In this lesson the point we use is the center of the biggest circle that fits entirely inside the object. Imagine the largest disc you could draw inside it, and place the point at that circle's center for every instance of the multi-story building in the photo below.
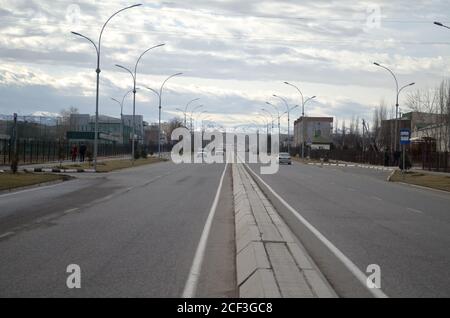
(111, 129)
(313, 132)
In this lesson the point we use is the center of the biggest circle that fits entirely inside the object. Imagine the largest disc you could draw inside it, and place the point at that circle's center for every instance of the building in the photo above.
(111, 129)
(139, 127)
(437, 135)
(414, 121)
(313, 132)
(151, 134)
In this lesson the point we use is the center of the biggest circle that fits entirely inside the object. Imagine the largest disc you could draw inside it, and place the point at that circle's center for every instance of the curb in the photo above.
(55, 170)
(270, 262)
(355, 165)
(391, 175)
(347, 279)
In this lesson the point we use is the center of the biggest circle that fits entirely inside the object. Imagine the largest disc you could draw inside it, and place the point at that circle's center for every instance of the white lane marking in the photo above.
(30, 190)
(351, 189)
(6, 235)
(194, 274)
(414, 210)
(376, 198)
(378, 293)
(70, 210)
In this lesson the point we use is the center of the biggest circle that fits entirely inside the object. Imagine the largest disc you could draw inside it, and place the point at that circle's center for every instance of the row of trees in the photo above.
(359, 133)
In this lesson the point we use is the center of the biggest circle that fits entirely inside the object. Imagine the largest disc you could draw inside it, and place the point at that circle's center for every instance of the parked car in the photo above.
(284, 158)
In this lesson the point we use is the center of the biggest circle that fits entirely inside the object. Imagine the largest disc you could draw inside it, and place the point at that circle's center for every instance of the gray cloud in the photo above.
(322, 44)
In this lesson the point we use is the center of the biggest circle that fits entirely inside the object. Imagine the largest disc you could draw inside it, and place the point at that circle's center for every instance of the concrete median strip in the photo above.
(270, 262)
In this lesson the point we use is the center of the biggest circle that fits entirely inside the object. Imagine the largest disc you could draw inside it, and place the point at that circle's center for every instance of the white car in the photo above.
(284, 158)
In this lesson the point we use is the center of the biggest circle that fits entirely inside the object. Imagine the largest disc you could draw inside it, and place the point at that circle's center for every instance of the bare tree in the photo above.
(380, 114)
(171, 126)
(443, 102)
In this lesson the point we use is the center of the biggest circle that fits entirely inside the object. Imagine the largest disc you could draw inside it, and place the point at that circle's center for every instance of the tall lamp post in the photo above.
(271, 116)
(199, 117)
(266, 120)
(398, 91)
(278, 116)
(303, 113)
(134, 76)
(121, 110)
(98, 50)
(192, 115)
(186, 109)
(159, 94)
(289, 119)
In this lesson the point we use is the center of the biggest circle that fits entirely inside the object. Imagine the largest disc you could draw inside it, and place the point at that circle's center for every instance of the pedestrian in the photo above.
(83, 149)
(74, 153)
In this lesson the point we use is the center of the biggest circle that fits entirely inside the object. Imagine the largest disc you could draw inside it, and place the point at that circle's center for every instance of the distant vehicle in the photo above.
(284, 158)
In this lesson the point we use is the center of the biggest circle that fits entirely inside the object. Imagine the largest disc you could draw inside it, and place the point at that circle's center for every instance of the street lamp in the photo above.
(192, 114)
(266, 121)
(134, 76)
(186, 109)
(441, 25)
(199, 117)
(271, 116)
(121, 109)
(98, 50)
(303, 99)
(159, 94)
(289, 120)
(303, 113)
(398, 91)
(279, 116)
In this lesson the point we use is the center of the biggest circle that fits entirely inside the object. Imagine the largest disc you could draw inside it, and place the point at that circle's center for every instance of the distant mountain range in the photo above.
(43, 118)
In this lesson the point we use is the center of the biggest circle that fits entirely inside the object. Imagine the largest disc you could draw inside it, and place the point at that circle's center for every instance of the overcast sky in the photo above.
(234, 54)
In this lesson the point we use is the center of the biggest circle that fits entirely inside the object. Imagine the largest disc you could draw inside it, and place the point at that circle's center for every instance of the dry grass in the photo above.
(440, 182)
(9, 180)
(112, 165)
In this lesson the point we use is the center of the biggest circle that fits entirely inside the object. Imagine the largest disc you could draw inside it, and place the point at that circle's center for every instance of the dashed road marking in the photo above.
(414, 210)
(71, 210)
(6, 235)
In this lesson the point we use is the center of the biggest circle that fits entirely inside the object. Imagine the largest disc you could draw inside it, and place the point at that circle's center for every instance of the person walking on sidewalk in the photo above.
(74, 153)
(83, 149)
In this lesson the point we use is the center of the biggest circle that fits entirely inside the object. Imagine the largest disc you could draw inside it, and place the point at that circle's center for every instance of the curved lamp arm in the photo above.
(107, 21)
(86, 38)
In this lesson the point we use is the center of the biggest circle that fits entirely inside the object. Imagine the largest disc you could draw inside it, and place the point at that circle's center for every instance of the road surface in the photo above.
(134, 233)
(403, 229)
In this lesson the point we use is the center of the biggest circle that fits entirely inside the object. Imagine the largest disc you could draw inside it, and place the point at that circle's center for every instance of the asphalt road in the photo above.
(403, 229)
(134, 233)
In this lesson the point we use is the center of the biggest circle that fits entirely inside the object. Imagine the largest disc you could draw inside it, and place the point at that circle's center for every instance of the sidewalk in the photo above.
(52, 164)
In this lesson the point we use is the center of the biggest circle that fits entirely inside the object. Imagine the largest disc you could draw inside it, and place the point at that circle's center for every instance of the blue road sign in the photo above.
(405, 136)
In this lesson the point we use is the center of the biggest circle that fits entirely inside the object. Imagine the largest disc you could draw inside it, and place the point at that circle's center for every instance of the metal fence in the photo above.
(425, 159)
(432, 161)
(41, 151)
